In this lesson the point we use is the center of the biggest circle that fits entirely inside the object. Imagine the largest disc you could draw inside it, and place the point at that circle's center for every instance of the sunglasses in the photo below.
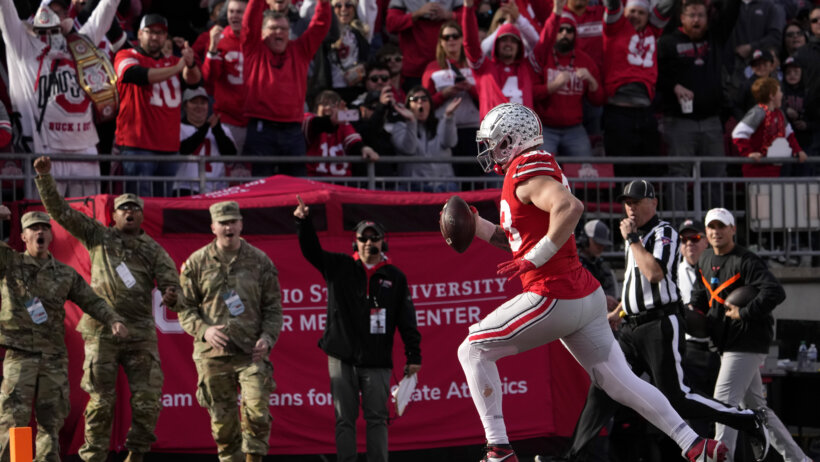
(420, 99)
(343, 5)
(378, 78)
(815, 20)
(793, 34)
(52, 31)
(566, 29)
(694, 238)
(364, 239)
(395, 59)
(126, 207)
(448, 37)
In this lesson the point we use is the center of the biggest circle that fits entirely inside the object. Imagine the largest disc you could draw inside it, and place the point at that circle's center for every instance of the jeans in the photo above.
(691, 138)
(568, 141)
(267, 138)
(146, 168)
(346, 381)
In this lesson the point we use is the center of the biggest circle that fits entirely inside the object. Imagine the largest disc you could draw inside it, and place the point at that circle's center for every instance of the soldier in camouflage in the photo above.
(232, 306)
(34, 287)
(125, 262)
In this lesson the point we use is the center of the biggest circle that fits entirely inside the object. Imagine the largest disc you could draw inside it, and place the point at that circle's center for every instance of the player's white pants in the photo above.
(530, 320)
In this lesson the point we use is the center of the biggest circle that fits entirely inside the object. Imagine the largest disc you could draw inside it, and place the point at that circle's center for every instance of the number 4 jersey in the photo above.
(149, 114)
(562, 276)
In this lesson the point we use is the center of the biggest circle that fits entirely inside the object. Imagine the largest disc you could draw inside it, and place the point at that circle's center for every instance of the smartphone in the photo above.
(348, 115)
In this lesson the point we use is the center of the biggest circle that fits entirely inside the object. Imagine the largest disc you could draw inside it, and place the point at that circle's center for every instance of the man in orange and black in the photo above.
(742, 334)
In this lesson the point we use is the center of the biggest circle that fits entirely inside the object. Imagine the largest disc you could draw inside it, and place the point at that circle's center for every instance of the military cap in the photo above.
(128, 198)
(32, 218)
(225, 211)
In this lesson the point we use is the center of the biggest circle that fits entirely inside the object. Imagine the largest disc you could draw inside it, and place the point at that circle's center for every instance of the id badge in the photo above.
(377, 321)
(234, 303)
(126, 276)
(36, 311)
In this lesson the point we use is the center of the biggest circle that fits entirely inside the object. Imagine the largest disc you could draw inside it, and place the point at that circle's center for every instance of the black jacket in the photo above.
(349, 303)
(754, 331)
(808, 56)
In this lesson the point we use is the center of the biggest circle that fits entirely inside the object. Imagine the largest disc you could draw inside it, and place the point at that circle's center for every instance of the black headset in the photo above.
(378, 227)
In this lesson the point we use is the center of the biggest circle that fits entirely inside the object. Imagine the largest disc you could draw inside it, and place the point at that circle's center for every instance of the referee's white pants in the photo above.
(530, 320)
(739, 382)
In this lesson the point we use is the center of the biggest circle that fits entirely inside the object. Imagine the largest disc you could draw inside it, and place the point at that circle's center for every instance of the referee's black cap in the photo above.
(637, 189)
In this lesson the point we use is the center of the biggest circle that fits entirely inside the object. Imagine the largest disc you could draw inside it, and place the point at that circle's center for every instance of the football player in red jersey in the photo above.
(561, 299)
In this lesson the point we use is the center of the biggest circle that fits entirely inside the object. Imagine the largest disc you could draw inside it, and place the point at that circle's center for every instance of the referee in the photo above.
(652, 336)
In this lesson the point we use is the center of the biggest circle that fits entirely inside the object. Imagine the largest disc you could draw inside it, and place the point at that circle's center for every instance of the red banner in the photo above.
(544, 389)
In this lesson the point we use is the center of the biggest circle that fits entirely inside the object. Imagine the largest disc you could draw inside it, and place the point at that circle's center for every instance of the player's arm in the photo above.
(554, 198)
(489, 232)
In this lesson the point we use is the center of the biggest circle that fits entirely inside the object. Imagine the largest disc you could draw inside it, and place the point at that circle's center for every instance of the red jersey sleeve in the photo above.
(124, 60)
(533, 164)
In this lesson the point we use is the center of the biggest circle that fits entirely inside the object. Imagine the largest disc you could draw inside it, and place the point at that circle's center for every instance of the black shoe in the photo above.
(759, 437)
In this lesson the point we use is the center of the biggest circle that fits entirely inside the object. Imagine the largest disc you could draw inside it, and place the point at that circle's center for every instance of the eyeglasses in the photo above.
(420, 99)
(132, 207)
(568, 30)
(52, 31)
(815, 20)
(395, 59)
(343, 5)
(379, 78)
(695, 238)
(448, 37)
(364, 239)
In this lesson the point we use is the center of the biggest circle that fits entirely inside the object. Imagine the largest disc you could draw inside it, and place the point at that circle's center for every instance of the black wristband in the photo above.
(633, 238)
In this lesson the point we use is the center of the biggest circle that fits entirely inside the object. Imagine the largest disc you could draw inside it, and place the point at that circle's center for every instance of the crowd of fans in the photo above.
(377, 78)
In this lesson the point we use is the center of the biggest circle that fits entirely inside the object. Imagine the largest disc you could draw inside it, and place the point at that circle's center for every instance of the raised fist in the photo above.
(42, 165)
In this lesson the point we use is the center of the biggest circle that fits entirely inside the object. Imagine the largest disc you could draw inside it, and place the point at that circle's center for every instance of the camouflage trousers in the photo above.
(216, 391)
(40, 379)
(140, 361)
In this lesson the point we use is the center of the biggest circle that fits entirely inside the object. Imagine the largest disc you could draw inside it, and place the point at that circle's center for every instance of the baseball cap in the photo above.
(637, 189)
(691, 225)
(128, 198)
(33, 218)
(720, 214)
(192, 93)
(757, 55)
(790, 62)
(154, 19)
(225, 211)
(213, 4)
(364, 224)
(598, 232)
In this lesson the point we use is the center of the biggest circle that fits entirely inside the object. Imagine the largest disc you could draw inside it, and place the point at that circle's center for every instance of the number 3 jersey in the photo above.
(562, 276)
(149, 114)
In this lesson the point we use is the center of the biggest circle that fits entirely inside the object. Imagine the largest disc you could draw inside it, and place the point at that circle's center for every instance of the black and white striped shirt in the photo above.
(639, 295)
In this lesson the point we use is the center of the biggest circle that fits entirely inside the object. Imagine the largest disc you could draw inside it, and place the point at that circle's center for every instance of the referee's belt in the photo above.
(652, 314)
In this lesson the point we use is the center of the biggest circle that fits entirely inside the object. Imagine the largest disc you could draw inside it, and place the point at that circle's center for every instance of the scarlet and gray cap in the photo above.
(128, 198)
(364, 224)
(720, 214)
(33, 218)
(225, 211)
(597, 231)
(637, 189)
(691, 225)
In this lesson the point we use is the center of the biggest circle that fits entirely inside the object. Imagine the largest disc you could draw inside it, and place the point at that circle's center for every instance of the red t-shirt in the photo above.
(562, 276)
(223, 72)
(334, 144)
(630, 56)
(149, 114)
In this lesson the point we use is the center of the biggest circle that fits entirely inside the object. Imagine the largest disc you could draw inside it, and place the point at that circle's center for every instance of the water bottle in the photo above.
(812, 358)
(802, 357)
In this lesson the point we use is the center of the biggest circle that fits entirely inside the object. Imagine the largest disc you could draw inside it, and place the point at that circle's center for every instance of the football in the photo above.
(697, 324)
(457, 224)
(741, 296)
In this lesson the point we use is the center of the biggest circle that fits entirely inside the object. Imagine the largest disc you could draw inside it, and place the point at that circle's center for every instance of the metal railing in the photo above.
(778, 217)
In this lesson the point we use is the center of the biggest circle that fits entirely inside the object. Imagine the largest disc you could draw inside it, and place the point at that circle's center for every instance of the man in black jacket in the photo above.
(367, 299)
(742, 334)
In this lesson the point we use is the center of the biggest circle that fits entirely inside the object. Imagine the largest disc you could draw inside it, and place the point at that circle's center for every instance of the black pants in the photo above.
(656, 348)
(632, 132)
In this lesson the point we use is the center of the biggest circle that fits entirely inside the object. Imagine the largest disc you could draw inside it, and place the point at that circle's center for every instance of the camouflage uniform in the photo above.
(138, 354)
(205, 281)
(36, 365)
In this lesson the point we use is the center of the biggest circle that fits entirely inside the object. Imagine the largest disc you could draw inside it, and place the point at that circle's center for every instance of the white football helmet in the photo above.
(47, 26)
(45, 18)
(505, 132)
